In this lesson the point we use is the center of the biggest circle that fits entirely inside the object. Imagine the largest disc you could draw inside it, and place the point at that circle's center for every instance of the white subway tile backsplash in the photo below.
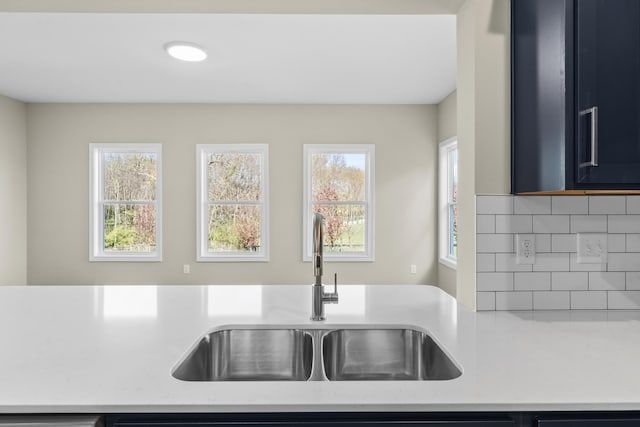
(532, 281)
(569, 205)
(551, 224)
(551, 300)
(507, 262)
(552, 262)
(633, 280)
(563, 243)
(633, 242)
(606, 281)
(623, 300)
(616, 243)
(514, 301)
(494, 243)
(494, 205)
(556, 280)
(486, 301)
(587, 300)
(574, 266)
(540, 205)
(494, 281)
(633, 205)
(624, 223)
(543, 242)
(624, 262)
(588, 223)
(485, 262)
(514, 224)
(485, 224)
(569, 281)
(607, 205)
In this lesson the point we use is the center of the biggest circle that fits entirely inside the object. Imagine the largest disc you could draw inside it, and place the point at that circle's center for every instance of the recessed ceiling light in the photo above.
(186, 51)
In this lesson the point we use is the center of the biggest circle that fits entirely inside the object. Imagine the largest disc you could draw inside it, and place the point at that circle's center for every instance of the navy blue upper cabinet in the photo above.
(608, 91)
(575, 95)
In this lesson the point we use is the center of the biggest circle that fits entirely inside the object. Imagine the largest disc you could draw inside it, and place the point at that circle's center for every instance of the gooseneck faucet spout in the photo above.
(318, 238)
(319, 296)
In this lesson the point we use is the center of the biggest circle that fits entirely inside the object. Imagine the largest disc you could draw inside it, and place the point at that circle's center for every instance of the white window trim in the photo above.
(96, 218)
(444, 186)
(369, 150)
(202, 240)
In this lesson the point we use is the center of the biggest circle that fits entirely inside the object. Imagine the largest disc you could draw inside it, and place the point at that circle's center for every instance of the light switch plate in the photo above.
(592, 248)
(525, 248)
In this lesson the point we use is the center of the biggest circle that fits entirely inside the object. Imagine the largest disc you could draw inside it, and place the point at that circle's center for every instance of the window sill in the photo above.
(125, 258)
(233, 258)
(447, 262)
(344, 258)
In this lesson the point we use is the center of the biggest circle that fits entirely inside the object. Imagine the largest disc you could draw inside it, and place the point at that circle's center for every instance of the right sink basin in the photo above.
(384, 355)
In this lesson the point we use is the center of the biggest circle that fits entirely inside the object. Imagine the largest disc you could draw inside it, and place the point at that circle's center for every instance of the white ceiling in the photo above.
(253, 58)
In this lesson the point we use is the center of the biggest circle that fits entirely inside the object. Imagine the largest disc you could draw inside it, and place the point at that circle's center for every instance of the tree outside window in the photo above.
(232, 202)
(338, 185)
(125, 202)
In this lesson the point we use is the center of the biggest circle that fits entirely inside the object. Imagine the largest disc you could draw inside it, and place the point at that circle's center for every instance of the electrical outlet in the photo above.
(413, 269)
(592, 248)
(186, 269)
(525, 248)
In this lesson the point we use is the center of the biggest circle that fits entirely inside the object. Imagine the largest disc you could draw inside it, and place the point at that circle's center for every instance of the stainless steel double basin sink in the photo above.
(300, 354)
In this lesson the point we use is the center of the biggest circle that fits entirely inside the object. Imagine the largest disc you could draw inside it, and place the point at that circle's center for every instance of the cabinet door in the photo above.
(541, 95)
(311, 420)
(603, 421)
(608, 93)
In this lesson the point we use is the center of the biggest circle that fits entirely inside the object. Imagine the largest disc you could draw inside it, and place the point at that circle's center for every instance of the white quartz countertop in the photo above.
(111, 349)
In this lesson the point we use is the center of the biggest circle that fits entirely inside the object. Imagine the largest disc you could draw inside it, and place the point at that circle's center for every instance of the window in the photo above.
(232, 202)
(448, 203)
(338, 183)
(126, 202)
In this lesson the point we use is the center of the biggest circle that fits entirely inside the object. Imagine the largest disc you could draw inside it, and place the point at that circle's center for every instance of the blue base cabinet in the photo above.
(310, 420)
(454, 419)
(586, 420)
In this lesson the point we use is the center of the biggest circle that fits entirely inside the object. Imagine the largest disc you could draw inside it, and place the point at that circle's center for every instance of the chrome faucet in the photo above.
(319, 296)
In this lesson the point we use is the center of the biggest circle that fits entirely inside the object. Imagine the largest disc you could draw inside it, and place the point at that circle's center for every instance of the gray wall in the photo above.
(13, 191)
(406, 157)
(447, 128)
(483, 123)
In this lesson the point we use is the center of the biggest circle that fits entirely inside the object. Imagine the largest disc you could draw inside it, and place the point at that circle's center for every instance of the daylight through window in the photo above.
(448, 196)
(339, 185)
(232, 198)
(125, 202)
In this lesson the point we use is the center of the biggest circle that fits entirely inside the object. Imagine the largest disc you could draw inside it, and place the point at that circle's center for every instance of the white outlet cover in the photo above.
(525, 249)
(592, 248)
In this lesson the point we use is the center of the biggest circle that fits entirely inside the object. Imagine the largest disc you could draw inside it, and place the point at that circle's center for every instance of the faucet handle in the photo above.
(332, 297)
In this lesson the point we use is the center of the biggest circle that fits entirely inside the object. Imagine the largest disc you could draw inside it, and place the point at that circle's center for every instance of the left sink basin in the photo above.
(249, 355)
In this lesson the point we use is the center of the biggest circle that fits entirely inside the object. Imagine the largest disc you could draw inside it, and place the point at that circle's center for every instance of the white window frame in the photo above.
(369, 150)
(445, 188)
(202, 215)
(96, 198)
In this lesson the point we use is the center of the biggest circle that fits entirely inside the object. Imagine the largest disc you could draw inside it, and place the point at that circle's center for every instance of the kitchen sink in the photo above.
(384, 354)
(308, 354)
(249, 355)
